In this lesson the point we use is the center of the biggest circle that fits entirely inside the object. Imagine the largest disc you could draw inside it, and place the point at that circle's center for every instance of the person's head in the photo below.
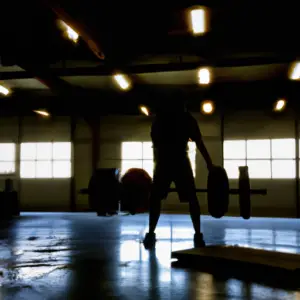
(171, 107)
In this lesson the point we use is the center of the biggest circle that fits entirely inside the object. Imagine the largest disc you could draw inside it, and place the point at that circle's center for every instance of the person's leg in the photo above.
(154, 213)
(185, 185)
(159, 190)
(195, 213)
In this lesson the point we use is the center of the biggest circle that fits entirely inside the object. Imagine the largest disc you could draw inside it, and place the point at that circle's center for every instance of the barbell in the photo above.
(217, 190)
(262, 192)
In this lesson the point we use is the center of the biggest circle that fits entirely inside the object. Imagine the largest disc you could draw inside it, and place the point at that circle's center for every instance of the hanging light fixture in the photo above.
(204, 76)
(42, 112)
(70, 33)
(280, 105)
(122, 81)
(144, 110)
(207, 107)
(4, 91)
(198, 20)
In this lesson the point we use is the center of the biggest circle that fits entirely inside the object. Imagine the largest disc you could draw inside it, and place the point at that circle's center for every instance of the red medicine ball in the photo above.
(136, 186)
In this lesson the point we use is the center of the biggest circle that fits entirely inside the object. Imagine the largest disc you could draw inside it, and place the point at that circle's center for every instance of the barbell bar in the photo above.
(262, 192)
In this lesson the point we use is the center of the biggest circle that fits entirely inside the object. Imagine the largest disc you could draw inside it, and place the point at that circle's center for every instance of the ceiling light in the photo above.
(43, 113)
(198, 20)
(70, 32)
(295, 71)
(204, 76)
(4, 90)
(144, 110)
(207, 107)
(280, 105)
(122, 81)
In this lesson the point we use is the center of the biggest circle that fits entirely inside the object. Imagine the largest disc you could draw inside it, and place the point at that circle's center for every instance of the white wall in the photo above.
(116, 129)
(280, 200)
(82, 162)
(9, 134)
(37, 194)
(54, 194)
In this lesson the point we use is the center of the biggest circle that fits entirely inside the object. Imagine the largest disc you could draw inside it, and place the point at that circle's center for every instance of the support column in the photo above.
(94, 124)
(222, 130)
(18, 156)
(73, 122)
(297, 167)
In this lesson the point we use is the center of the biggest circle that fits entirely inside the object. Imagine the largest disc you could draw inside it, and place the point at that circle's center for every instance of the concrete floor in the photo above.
(81, 256)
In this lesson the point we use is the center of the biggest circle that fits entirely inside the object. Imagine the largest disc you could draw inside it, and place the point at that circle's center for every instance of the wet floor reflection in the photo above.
(81, 256)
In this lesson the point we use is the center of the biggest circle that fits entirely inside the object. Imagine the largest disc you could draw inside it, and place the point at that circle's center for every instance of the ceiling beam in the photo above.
(44, 75)
(151, 68)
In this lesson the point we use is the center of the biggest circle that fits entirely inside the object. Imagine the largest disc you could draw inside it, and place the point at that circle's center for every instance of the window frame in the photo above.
(271, 159)
(52, 160)
(13, 173)
(194, 165)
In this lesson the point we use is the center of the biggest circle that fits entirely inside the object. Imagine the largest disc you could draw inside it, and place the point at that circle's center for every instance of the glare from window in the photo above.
(28, 151)
(132, 150)
(147, 150)
(235, 149)
(44, 151)
(129, 164)
(259, 169)
(7, 152)
(283, 148)
(266, 159)
(232, 167)
(7, 158)
(27, 169)
(62, 169)
(192, 156)
(257, 149)
(46, 160)
(43, 169)
(61, 150)
(7, 167)
(148, 166)
(140, 155)
(283, 169)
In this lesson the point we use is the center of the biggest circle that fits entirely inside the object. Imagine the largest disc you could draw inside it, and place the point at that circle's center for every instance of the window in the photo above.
(258, 155)
(140, 155)
(235, 149)
(137, 155)
(258, 149)
(283, 149)
(283, 153)
(46, 160)
(7, 158)
(232, 167)
(283, 169)
(192, 155)
(265, 158)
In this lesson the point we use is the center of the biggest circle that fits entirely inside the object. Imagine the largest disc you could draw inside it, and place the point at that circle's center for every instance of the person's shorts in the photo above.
(177, 170)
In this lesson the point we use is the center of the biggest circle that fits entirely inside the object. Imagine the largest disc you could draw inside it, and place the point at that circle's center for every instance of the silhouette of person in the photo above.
(171, 130)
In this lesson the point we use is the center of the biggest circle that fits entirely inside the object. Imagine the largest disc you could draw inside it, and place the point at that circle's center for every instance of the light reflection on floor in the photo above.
(49, 256)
